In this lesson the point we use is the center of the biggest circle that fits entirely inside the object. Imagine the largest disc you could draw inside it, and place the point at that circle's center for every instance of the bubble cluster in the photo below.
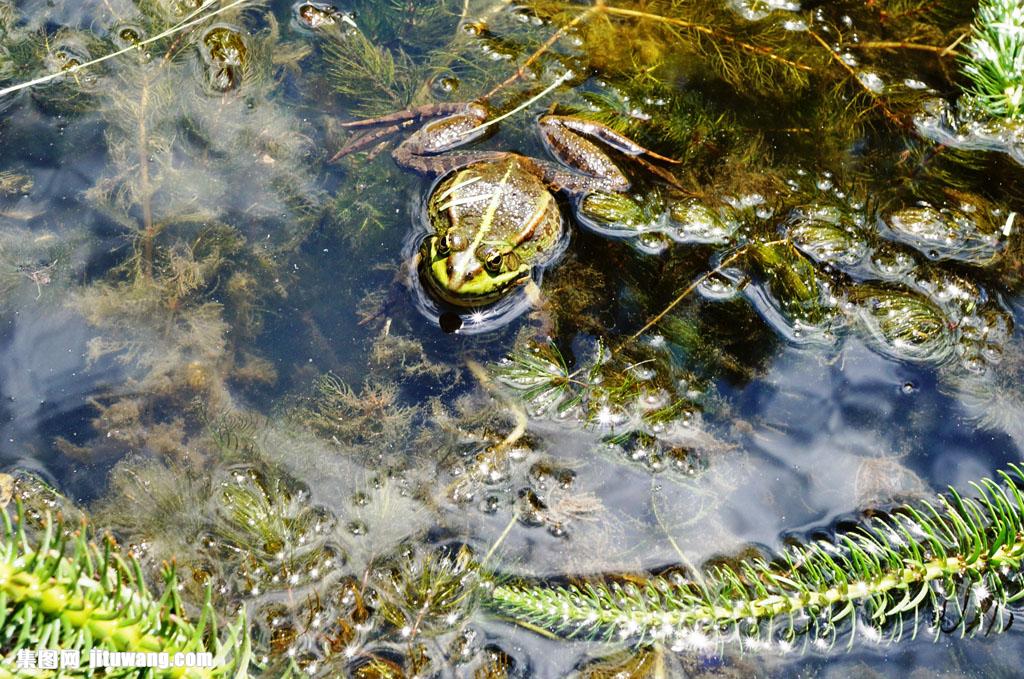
(646, 411)
(828, 235)
(268, 529)
(962, 233)
(969, 128)
(651, 221)
(902, 324)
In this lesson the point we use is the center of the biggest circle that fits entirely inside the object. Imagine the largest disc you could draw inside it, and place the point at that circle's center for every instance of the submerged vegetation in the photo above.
(212, 350)
(952, 566)
(61, 590)
(949, 566)
(995, 58)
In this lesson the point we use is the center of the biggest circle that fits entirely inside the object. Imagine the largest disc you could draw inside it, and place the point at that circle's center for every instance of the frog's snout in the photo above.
(461, 270)
(458, 281)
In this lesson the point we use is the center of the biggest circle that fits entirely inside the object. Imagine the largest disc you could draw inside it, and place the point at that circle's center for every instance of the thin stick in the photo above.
(696, 574)
(78, 67)
(952, 48)
(548, 44)
(899, 45)
(501, 538)
(690, 288)
(853, 74)
(540, 95)
(517, 409)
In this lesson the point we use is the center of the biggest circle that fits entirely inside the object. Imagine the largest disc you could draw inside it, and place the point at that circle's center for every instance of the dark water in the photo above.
(181, 265)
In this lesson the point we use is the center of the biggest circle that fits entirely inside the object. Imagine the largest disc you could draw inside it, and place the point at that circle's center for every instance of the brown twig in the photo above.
(901, 45)
(895, 119)
(766, 52)
(690, 288)
(952, 47)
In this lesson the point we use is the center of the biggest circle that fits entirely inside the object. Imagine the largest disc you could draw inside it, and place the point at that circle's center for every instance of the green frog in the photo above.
(494, 215)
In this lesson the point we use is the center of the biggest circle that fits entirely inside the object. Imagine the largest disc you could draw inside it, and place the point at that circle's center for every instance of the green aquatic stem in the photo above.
(64, 592)
(994, 58)
(955, 561)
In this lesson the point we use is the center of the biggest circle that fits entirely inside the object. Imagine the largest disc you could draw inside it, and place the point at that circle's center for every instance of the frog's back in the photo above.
(501, 202)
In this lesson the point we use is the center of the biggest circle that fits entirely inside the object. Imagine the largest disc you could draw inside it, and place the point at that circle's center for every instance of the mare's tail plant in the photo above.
(994, 61)
(952, 565)
(61, 591)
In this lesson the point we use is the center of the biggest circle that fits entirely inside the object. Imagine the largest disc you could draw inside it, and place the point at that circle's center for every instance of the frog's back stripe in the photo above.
(461, 260)
(492, 207)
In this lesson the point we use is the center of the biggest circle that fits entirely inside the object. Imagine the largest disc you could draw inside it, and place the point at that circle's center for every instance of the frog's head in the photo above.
(467, 276)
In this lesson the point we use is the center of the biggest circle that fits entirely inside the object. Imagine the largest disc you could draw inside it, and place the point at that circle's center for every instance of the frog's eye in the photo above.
(491, 258)
(444, 245)
(512, 260)
(493, 262)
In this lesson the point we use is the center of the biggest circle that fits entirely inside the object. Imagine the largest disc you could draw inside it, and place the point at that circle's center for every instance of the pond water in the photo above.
(218, 343)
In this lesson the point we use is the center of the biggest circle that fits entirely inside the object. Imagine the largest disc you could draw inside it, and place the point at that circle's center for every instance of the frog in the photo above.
(493, 215)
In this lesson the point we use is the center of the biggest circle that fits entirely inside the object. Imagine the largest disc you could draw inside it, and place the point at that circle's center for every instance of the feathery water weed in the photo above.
(952, 565)
(60, 590)
(994, 59)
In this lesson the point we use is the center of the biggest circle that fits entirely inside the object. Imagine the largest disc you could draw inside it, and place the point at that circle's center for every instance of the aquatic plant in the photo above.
(952, 565)
(59, 589)
(827, 234)
(793, 286)
(426, 595)
(268, 533)
(371, 415)
(966, 234)
(994, 58)
(754, 55)
(188, 276)
(643, 402)
(209, 178)
(315, 578)
(63, 63)
(902, 323)
(603, 392)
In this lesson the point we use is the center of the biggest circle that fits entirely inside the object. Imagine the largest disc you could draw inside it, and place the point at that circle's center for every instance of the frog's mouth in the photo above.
(480, 290)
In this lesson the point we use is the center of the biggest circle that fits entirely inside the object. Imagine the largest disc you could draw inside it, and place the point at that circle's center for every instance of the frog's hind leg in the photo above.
(440, 165)
(558, 127)
(415, 114)
(366, 139)
(572, 141)
(456, 122)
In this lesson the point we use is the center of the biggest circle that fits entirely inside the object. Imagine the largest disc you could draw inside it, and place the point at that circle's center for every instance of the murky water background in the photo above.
(115, 395)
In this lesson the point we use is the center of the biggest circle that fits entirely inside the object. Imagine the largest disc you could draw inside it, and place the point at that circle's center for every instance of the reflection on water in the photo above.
(215, 340)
